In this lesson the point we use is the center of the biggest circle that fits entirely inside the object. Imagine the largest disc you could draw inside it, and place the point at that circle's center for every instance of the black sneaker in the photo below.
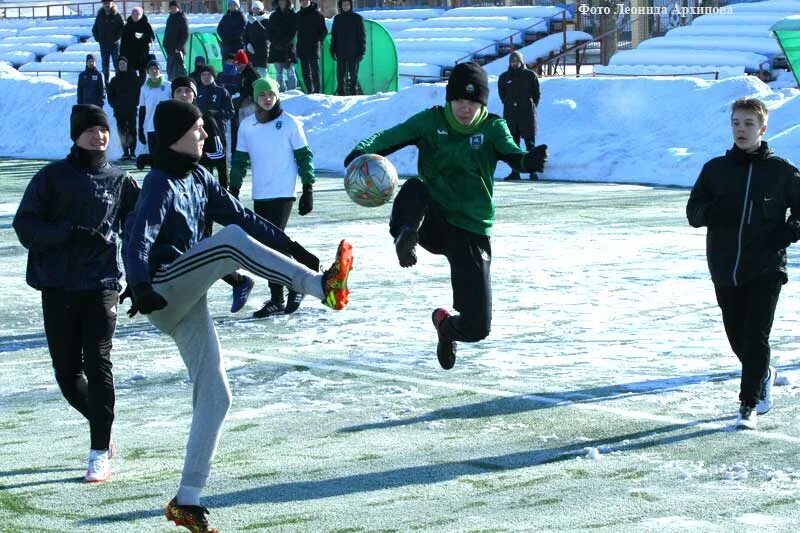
(747, 418)
(534, 176)
(514, 176)
(270, 308)
(293, 301)
(404, 245)
(445, 349)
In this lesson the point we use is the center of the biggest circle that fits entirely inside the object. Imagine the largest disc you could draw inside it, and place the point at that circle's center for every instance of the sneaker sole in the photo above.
(338, 295)
(91, 481)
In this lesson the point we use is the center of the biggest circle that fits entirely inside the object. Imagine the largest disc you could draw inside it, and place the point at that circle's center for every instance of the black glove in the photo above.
(352, 155)
(721, 214)
(234, 192)
(128, 293)
(303, 256)
(306, 200)
(142, 113)
(147, 300)
(535, 159)
(83, 234)
(784, 235)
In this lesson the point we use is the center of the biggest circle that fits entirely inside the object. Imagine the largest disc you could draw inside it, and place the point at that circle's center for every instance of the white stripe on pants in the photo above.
(184, 283)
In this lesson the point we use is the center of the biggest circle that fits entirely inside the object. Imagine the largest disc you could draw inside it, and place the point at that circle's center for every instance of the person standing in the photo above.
(69, 219)
(176, 35)
(274, 142)
(348, 46)
(742, 197)
(311, 31)
(199, 63)
(518, 88)
(231, 28)
(170, 267)
(107, 31)
(231, 81)
(248, 76)
(216, 102)
(256, 38)
(123, 96)
(156, 89)
(449, 210)
(136, 39)
(282, 54)
(91, 85)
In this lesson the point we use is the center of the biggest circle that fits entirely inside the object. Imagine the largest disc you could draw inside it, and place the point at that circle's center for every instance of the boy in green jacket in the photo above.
(448, 209)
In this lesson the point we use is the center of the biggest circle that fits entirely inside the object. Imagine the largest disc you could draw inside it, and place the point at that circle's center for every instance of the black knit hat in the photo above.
(89, 56)
(468, 81)
(208, 68)
(85, 116)
(184, 81)
(172, 120)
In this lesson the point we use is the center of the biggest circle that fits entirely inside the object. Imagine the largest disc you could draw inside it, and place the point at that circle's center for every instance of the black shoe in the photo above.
(404, 245)
(293, 302)
(534, 176)
(445, 349)
(514, 176)
(270, 308)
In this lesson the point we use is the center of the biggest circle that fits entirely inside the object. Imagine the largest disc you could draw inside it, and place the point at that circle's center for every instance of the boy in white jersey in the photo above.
(273, 142)
(155, 89)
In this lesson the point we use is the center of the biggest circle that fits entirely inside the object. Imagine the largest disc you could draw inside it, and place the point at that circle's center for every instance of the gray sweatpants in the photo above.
(184, 283)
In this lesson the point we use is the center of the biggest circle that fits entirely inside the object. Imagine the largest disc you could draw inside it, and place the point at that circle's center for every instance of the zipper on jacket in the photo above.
(750, 213)
(741, 224)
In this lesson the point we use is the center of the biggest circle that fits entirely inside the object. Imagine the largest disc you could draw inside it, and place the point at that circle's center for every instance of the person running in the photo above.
(275, 142)
(170, 270)
(69, 219)
(449, 209)
(742, 197)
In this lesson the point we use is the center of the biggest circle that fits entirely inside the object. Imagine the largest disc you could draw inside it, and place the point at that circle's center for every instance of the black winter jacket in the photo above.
(176, 33)
(230, 30)
(91, 87)
(282, 31)
(123, 93)
(215, 100)
(743, 199)
(519, 91)
(249, 76)
(65, 194)
(107, 28)
(136, 49)
(215, 145)
(348, 37)
(257, 34)
(311, 31)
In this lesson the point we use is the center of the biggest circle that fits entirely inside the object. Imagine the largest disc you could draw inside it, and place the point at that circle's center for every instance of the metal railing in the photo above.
(510, 38)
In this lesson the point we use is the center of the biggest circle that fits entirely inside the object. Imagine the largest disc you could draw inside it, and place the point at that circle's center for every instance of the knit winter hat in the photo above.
(184, 81)
(241, 57)
(89, 56)
(85, 116)
(468, 81)
(518, 55)
(264, 85)
(139, 9)
(207, 68)
(172, 120)
(173, 3)
(152, 63)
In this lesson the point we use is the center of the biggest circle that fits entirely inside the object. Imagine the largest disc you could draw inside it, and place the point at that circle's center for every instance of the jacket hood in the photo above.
(518, 55)
(141, 21)
(114, 10)
(737, 154)
(352, 5)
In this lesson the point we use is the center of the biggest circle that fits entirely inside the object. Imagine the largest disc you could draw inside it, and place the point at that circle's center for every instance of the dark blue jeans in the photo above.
(106, 52)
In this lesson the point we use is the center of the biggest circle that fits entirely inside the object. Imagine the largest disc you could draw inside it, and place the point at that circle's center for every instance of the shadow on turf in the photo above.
(33, 471)
(434, 473)
(533, 402)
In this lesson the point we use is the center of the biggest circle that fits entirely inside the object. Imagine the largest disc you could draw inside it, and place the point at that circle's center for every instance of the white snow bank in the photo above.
(750, 61)
(765, 46)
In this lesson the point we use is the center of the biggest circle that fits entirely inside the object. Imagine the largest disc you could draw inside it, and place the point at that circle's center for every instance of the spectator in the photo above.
(519, 91)
(123, 95)
(176, 34)
(91, 85)
(248, 74)
(199, 63)
(215, 101)
(156, 89)
(136, 38)
(282, 32)
(107, 31)
(256, 39)
(231, 80)
(231, 28)
(311, 31)
(348, 46)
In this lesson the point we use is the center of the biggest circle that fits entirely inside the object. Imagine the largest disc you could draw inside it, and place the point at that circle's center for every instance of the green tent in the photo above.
(787, 32)
(378, 71)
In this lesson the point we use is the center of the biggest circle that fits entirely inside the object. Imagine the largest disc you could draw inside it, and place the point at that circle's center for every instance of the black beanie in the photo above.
(184, 81)
(85, 116)
(208, 68)
(468, 81)
(172, 120)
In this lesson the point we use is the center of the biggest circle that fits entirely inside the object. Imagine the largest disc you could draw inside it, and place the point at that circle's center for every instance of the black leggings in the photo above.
(277, 211)
(79, 326)
(469, 255)
(346, 77)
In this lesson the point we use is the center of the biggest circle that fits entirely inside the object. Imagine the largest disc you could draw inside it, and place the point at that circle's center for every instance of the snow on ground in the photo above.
(642, 130)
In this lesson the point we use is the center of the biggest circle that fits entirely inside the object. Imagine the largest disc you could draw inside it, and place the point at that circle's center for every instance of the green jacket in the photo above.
(456, 166)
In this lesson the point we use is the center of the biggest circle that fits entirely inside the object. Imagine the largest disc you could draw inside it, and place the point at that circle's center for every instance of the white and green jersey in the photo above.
(273, 149)
(150, 95)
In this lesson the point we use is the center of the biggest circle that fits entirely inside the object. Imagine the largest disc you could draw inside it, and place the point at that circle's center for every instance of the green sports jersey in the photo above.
(456, 163)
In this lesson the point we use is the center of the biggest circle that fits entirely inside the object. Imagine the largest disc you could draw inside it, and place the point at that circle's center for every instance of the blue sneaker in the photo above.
(241, 292)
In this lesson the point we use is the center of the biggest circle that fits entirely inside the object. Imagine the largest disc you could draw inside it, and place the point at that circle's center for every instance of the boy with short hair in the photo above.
(449, 209)
(742, 197)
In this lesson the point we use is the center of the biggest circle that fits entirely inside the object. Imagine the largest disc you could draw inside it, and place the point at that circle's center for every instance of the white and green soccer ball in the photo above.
(370, 180)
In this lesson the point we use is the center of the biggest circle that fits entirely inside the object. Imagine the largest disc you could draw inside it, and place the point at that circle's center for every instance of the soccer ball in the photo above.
(370, 180)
